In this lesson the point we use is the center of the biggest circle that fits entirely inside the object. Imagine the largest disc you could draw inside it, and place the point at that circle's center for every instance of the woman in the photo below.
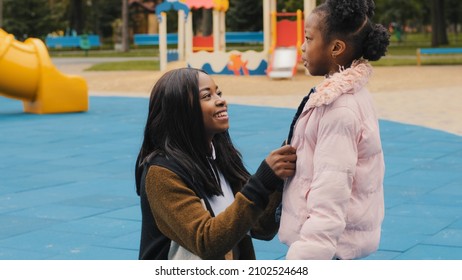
(197, 198)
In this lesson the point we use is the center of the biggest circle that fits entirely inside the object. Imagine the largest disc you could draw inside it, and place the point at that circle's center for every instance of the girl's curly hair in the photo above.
(351, 20)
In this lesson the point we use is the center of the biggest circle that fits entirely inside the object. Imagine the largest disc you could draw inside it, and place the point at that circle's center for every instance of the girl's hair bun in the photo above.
(376, 43)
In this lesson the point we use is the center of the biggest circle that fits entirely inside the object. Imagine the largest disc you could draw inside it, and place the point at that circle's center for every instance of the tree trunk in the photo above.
(439, 34)
(1, 13)
(125, 37)
(207, 19)
(76, 16)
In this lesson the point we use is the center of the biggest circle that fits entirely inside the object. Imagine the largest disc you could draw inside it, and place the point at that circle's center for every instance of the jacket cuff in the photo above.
(268, 178)
(261, 185)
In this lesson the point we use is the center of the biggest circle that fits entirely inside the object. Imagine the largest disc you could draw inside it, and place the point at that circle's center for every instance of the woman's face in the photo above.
(316, 53)
(214, 107)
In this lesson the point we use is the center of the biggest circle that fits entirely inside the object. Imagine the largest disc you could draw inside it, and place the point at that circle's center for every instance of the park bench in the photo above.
(60, 42)
(432, 51)
(244, 37)
(153, 39)
(172, 38)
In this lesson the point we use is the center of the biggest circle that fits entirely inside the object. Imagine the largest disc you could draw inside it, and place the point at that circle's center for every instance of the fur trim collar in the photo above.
(349, 81)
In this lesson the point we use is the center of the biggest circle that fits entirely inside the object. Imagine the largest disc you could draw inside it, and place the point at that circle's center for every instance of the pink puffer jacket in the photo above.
(333, 207)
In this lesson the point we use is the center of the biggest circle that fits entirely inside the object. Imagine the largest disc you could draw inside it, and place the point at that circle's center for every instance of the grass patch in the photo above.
(411, 60)
(134, 65)
(395, 62)
(151, 51)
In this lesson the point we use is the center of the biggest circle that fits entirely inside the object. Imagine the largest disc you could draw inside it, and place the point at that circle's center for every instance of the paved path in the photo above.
(67, 188)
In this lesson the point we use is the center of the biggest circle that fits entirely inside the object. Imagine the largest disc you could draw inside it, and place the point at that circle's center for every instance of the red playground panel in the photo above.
(203, 43)
(287, 33)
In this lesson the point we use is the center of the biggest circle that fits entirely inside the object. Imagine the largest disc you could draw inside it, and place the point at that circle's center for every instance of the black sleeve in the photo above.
(261, 185)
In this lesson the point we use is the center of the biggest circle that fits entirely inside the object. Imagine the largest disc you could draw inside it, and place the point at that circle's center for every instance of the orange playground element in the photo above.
(236, 64)
(28, 74)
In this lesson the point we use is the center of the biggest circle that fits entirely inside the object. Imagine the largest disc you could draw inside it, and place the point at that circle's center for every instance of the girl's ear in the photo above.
(338, 48)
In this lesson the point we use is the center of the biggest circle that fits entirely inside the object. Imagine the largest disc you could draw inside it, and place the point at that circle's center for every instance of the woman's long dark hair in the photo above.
(175, 128)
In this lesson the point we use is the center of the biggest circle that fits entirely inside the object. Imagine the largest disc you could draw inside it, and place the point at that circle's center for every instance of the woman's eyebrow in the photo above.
(208, 88)
(202, 89)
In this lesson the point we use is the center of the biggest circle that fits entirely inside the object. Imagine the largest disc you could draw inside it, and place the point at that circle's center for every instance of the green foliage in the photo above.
(402, 11)
(289, 6)
(172, 20)
(28, 18)
(37, 18)
(100, 16)
(245, 15)
(454, 11)
(92, 17)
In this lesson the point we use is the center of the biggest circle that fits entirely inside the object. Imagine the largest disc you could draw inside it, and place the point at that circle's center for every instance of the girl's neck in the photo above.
(340, 69)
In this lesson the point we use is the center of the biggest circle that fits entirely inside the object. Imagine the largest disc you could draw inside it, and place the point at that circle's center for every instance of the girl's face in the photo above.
(214, 107)
(316, 53)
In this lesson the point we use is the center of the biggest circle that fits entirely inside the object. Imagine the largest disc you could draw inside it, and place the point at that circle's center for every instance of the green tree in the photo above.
(125, 35)
(100, 14)
(202, 21)
(37, 18)
(290, 6)
(28, 18)
(398, 11)
(1, 13)
(207, 22)
(245, 15)
(439, 33)
(454, 13)
(92, 16)
(76, 15)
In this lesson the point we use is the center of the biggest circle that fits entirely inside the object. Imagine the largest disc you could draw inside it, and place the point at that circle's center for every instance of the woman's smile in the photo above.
(222, 115)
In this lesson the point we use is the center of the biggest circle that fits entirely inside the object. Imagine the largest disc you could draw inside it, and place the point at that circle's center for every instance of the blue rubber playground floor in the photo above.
(67, 189)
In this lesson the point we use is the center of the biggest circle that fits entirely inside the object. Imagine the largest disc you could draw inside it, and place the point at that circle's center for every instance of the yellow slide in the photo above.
(27, 74)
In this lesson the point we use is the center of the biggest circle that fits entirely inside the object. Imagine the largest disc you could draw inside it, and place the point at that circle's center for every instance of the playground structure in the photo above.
(281, 41)
(286, 40)
(186, 41)
(29, 75)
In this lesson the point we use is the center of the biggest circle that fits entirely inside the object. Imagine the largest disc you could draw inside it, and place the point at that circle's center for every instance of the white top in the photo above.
(217, 202)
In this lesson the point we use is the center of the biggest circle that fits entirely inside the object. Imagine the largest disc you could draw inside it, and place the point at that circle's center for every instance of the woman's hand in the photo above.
(282, 161)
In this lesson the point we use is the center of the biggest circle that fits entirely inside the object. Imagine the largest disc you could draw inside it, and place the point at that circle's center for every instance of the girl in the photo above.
(333, 206)
(197, 198)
